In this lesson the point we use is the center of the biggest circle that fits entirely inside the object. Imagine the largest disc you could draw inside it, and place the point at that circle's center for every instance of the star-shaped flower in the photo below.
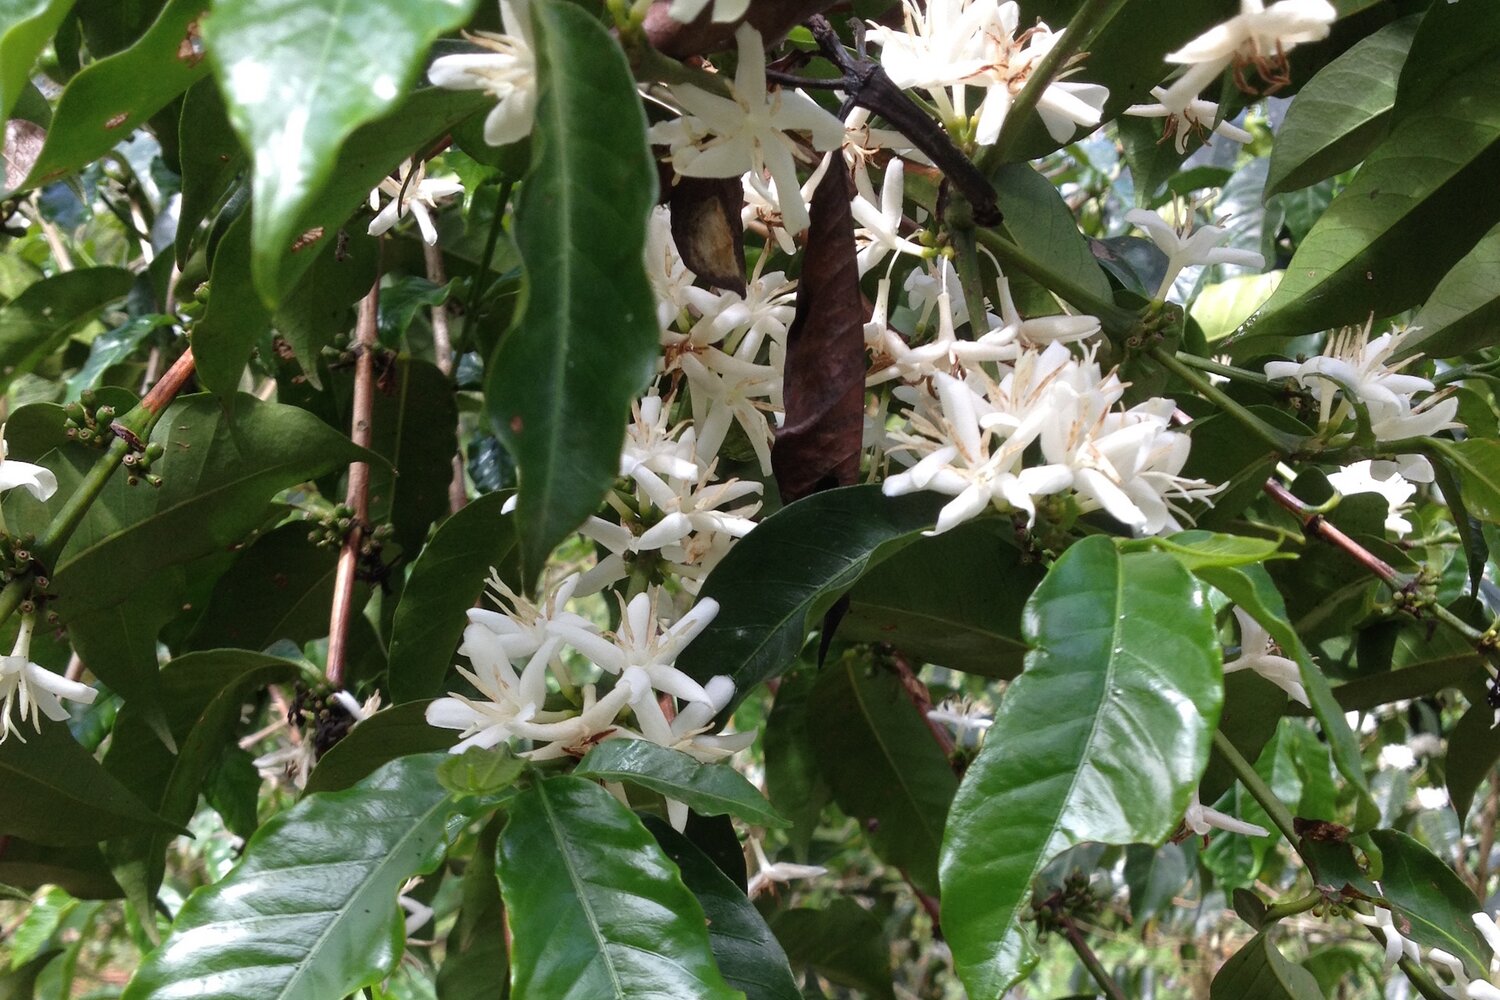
(507, 72)
(1256, 654)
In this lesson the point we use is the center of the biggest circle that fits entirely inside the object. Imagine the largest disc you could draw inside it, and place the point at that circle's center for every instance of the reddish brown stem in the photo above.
(165, 390)
(1314, 525)
(921, 698)
(358, 497)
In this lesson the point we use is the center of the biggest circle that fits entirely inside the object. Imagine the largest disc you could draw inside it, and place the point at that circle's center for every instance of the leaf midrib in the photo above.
(579, 888)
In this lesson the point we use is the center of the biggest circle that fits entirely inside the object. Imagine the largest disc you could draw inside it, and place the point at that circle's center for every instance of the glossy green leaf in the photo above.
(1423, 198)
(1196, 549)
(953, 600)
(708, 789)
(399, 731)
(1155, 877)
(475, 965)
(560, 385)
(415, 421)
(880, 760)
(794, 784)
(296, 75)
(111, 348)
(842, 942)
(1102, 738)
(279, 588)
(1432, 896)
(202, 695)
(477, 771)
(1037, 218)
(56, 793)
(1463, 311)
(273, 930)
(210, 156)
(219, 474)
(746, 951)
(1259, 970)
(26, 26)
(1343, 112)
(774, 583)
(596, 908)
(325, 296)
(1251, 588)
(110, 98)
(235, 319)
(1473, 751)
(1476, 461)
(1450, 40)
(446, 580)
(1220, 309)
(38, 321)
(79, 869)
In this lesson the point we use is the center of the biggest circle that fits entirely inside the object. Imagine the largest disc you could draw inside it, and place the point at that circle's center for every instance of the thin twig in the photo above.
(442, 347)
(358, 497)
(1089, 959)
(919, 696)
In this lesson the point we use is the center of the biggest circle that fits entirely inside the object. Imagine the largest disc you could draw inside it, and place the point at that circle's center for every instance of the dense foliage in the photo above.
(713, 499)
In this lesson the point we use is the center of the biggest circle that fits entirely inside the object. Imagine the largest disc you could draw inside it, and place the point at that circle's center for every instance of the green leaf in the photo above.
(399, 731)
(235, 319)
(1423, 198)
(1197, 549)
(219, 474)
(272, 933)
(26, 26)
(202, 695)
(109, 349)
(297, 78)
(1343, 112)
(1430, 895)
(477, 771)
(38, 321)
(820, 546)
(746, 951)
(1115, 711)
(55, 792)
(597, 910)
(954, 600)
(793, 783)
(1450, 40)
(1251, 588)
(210, 156)
(415, 425)
(875, 751)
(560, 385)
(843, 942)
(1220, 309)
(1476, 461)
(1259, 970)
(446, 580)
(279, 588)
(1463, 310)
(1155, 877)
(1037, 218)
(475, 964)
(708, 789)
(19, 981)
(110, 98)
(1473, 751)
(80, 869)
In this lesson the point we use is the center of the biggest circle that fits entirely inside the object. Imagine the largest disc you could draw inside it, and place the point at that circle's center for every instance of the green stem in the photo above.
(1279, 441)
(497, 223)
(1424, 983)
(1261, 792)
(1091, 961)
(1227, 371)
(1091, 17)
(966, 261)
(1291, 907)
(1113, 318)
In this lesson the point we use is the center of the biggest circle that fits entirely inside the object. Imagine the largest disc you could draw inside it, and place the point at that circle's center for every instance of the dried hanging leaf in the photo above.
(708, 231)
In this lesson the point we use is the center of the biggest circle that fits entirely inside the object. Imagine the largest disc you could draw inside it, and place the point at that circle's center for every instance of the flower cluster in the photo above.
(969, 439)
(952, 45)
(1462, 987)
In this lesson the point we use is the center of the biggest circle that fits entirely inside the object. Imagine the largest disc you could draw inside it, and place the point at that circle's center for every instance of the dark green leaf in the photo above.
(415, 423)
(789, 570)
(232, 788)
(794, 784)
(279, 588)
(110, 98)
(843, 942)
(1473, 751)
(235, 318)
(399, 731)
(597, 910)
(1423, 198)
(26, 26)
(202, 695)
(1477, 463)
(1115, 712)
(1155, 876)
(211, 158)
(297, 78)
(879, 758)
(219, 474)
(1463, 310)
(708, 789)
(274, 933)
(560, 385)
(475, 965)
(1451, 39)
(1037, 218)
(18, 981)
(81, 870)
(324, 297)
(1343, 112)
(38, 321)
(746, 951)
(1251, 588)
(1432, 897)
(1259, 970)
(447, 579)
(954, 599)
(56, 793)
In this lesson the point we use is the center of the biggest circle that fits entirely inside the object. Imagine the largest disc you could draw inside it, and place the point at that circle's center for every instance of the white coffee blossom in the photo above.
(1188, 115)
(411, 192)
(1186, 246)
(34, 479)
(31, 691)
(721, 11)
(1397, 945)
(1200, 818)
(1358, 478)
(1258, 654)
(507, 72)
(1259, 37)
(768, 875)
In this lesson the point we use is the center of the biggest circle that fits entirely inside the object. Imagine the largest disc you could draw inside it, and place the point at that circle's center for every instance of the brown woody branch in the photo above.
(772, 18)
